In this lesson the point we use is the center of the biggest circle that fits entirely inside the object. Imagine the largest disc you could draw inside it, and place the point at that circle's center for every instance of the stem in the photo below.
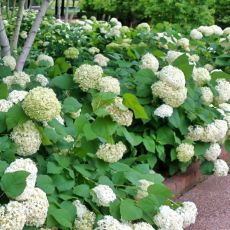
(4, 41)
(14, 40)
(30, 39)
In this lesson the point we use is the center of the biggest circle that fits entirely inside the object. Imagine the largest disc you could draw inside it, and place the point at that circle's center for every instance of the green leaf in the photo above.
(70, 104)
(2, 122)
(207, 167)
(14, 116)
(61, 216)
(132, 138)
(62, 183)
(3, 91)
(63, 82)
(200, 148)
(227, 145)
(13, 184)
(149, 144)
(53, 168)
(129, 211)
(82, 190)
(5, 71)
(3, 166)
(45, 183)
(165, 136)
(131, 101)
(161, 152)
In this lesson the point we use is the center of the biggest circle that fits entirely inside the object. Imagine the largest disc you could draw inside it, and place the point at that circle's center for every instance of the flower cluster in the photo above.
(19, 78)
(185, 152)
(27, 138)
(172, 56)
(16, 96)
(200, 75)
(220, 168)
(111, 152)
(101, 60)
(143, 189)
(143, 27)
(41, 104)
(42, 80)
(71, 53)
(163, 111)
(223, 89)
(196, 34)
(184, 43)
(42, 58)
(9, 61)
(93, 50)
(109, 84)
(120, 113)
(148, 61)
(207, 95)
(87, 76)
(5, 105)
(213, 152)
(103, 195)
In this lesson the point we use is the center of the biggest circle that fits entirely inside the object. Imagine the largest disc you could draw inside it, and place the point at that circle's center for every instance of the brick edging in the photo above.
(182, 182)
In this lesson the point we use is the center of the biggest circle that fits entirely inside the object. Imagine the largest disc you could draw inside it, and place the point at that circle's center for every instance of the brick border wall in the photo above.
(182, 182)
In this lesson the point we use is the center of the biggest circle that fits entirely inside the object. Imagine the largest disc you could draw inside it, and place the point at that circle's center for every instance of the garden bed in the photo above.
(182, 182)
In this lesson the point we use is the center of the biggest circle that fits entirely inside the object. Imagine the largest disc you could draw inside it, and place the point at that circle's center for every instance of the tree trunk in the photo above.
(63, 8)
(57, 9)
(30, 39)
(67, 11)
(4, 41)
(13, 8)
(14, 40)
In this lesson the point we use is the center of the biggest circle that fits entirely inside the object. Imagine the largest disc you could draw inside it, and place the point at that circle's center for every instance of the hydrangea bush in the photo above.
(86, 134)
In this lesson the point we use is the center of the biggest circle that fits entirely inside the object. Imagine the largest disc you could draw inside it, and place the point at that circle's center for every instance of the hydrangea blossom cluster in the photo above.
(23, 34)
(25, 165)
(45, 58)
(87, 76)
(213, 152)
(142, 192)
(223, 89)
(109, 84)
(71, 53)
(144, 27)
(220, 168)
(5, 105)
(163, 111)
(184, 43)
(207, 95)
(101, 60)
(120, 113)
(142, 226)
(201, 76)
(19, 78)
(41, 104)
(210, 30)
(172, 56)
(185, 152)
(149, 61)
(209, 67)
(109, 223)
(9, 61)
(93, 50)
(171, 86)
(196, 34)
(40, 78)
(111, 152)
(84, 219)
(27, 138)
(103, 195)
(16, 96)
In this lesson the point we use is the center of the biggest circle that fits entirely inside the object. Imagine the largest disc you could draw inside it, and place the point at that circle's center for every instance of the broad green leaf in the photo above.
(3, 91)
(82, 190)
(149, 144)
(71, 104)
(13, 184)
(2, 122)
(227, 145)
(53, 168)
(63, 82)
(62, 183)
(165, 136)
(200, 148)
(61, 216)
(207, 167)
(45, 183)
(131, 101)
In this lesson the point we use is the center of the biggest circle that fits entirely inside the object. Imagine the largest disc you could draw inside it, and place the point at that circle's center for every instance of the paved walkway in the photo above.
(212, 198)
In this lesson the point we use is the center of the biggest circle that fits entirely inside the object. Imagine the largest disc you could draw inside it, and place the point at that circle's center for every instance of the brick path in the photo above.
(212, 198)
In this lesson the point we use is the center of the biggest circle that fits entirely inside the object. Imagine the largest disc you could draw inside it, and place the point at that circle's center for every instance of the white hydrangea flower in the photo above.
(115, 31)
(81, 209)
(87, 76)
(189, 212)
(193, 58)
(196, 34)
(225, 107)
(185, 152)
(19, 78)
(142, 226)
(103, 195)
(206, 30)
(209, 67)
(172, 56)
(163, 111)
(101, 60)
(223, 89)
(168, 219)
(149, 61)
(144, 26)
(173, 76)
(5, 105)
(93, 50)
(111, 152)
(195, 133)
(220, 168)
(71, 53)
(40, 78)
(183, 42)
(109, 223)
(16, 96)
(142, 192)
(45, 58)
(24, 165)
(213, 152)
(12, 216)
(207, 95)
(217, 30)
(27, 138)
(109, 84)
(170, 96)
(41, 104)
(200, 75)
(227, 30)
(75, 115)
(23, 34)
(9, 61)
(36, 208)
(120, 113)
(115, 22)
